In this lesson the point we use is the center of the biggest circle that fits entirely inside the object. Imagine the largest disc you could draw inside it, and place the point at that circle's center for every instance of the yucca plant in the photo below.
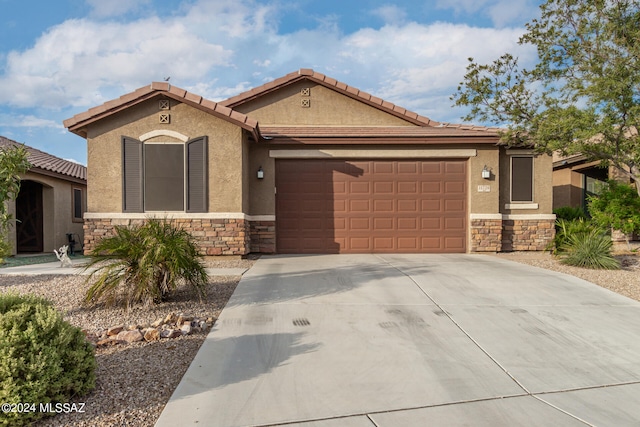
(144, 264)
(567, 228)
(590, 249)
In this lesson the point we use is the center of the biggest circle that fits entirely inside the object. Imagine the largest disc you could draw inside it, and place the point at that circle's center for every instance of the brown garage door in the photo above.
(338, 206)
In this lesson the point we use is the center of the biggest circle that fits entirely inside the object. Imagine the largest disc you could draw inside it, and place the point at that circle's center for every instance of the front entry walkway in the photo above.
(414, 340)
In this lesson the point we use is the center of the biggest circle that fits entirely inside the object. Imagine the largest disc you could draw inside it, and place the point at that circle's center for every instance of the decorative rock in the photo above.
(115, 330)
(182, 318)
(185, 329)
(171, 318)
(130, 336)
(152, 335)
(170, 333)
(157, 323)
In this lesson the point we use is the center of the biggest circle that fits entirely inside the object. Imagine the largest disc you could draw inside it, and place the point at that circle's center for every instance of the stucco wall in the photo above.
(326, 107)
(225, 153)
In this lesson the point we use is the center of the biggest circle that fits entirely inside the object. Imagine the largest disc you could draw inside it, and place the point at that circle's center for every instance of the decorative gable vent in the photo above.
(164, 104)
(305, 103)
(164, 118)
(305, 91)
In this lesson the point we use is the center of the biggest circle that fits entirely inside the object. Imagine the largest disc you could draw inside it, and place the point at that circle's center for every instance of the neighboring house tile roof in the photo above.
(350, 91)
(48, 164)
(77, 123)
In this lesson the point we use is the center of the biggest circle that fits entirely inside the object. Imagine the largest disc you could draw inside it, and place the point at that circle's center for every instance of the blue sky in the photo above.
(59, 58)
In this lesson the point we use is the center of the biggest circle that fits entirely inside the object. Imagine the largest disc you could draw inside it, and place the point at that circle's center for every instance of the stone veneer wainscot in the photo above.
(213, 236)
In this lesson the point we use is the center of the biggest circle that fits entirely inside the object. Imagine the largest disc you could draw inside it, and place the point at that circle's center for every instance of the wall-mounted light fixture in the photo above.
(260, 173)
(486, 173)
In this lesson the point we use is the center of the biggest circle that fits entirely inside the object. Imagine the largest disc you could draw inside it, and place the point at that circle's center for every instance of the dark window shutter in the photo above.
(196, 159)
(132, 200)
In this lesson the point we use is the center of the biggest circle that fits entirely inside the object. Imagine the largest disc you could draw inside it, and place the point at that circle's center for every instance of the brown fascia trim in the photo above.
(283, 140)
(180, 95)
(61, 176)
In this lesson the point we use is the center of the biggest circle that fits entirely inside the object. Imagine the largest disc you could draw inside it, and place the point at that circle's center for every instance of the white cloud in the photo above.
(28, 121)
(224, 47)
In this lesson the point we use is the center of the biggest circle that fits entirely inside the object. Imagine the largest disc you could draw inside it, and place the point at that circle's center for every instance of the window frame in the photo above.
(511, 177)
(144, 175)
(83, 207)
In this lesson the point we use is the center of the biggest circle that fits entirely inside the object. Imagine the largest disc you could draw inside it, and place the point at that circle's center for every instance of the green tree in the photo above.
(618, 207)
(582, 95)
(13, 163)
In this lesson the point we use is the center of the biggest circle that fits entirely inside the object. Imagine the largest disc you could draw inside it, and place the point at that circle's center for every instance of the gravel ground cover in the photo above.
(135, 381)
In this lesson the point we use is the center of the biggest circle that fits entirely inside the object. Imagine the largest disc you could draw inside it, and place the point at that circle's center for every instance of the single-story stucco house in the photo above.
(50, 205)
(308, 164)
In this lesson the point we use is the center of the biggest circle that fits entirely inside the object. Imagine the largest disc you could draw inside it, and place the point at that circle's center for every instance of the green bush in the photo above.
(43, 359)
(590, 250)
(618, 207)
(144, 264)
(569, 213)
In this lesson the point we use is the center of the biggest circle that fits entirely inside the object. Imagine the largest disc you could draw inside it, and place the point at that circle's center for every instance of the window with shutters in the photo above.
(164, 176)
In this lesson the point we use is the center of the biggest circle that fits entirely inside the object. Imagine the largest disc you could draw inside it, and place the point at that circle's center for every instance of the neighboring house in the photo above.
(50, 205)
(307, 164)
(575, 178)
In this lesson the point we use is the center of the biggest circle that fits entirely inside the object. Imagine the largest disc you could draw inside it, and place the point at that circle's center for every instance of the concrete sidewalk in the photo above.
(414, 340)
(78, 269)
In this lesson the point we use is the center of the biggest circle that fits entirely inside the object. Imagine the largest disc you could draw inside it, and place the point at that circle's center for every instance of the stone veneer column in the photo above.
(262, 236)
(528, 234)
(486, 235)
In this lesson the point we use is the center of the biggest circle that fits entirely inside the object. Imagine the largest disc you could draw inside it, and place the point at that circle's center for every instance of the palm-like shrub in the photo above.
(144, 263)
(567, 228)
(43, 358)
(590, 249)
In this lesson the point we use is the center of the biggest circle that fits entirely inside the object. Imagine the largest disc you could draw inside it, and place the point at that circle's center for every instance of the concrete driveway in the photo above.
(414, 340)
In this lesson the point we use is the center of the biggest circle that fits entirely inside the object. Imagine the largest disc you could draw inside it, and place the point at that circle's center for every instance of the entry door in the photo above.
(29, 233)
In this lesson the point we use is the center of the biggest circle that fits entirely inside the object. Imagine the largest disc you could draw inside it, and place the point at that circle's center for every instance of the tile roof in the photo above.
(77, 123)
(376, 131)
(309, 74)
(50, 164)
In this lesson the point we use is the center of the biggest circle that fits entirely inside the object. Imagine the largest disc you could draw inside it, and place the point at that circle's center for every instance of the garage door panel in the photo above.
(383, 168)
(327, 206)
(385, 187)
(360, 224)
(383, 206)
(360, 188)
(408, 168)
(431, 205)
(454, 205)
(360, 205)
(383, 224)
(407, 187)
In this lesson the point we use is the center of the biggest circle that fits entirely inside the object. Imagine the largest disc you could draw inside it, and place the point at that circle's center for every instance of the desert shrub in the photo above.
(569, 213)
(144, 264)
(567, 228)
(43, 358)
(590, 249)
